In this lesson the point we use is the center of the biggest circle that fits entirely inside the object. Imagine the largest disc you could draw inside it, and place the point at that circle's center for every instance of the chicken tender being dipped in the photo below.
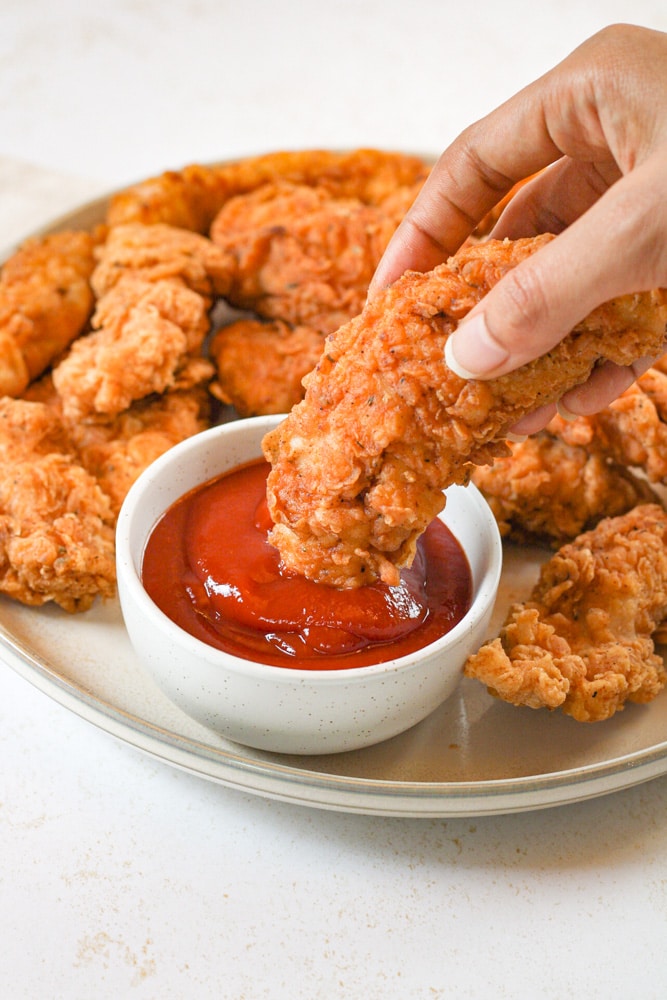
(360, 465)
(583, 642)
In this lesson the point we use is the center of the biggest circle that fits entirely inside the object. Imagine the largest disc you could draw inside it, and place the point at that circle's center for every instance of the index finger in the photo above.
(548, 119)
(470, 178)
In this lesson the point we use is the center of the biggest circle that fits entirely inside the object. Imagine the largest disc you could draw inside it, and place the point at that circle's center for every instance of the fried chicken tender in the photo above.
(117, 452)
(359, 466)
(145, 336)
(191, 198)
(27, 429)
(583, 642)
(304, 259)
(260, 365)
(548, 492)
(187, 199)
(56, 524)
(660, 364)
(156, 253)
(155, 287)
(632, 430)
(301, 255)
(45, 302)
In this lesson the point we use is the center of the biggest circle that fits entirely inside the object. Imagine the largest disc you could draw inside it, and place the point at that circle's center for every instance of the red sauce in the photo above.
(209, 567)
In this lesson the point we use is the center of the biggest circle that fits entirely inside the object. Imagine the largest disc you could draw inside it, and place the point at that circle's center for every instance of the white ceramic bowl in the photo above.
(277, 708)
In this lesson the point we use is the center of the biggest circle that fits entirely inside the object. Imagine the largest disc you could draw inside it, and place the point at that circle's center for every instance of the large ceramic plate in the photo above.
(473, 756)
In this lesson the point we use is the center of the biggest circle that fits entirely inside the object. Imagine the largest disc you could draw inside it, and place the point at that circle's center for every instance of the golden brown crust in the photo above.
(155, 286)
(192, 197)
(630, 431)
(145, 334)
(56, 524)
(117, 452)
(158, 253)
(135, 385)
(583, 642)
(62, 484)
(358, 468)
(45, 302)
(260, 365)
(301, 255)
(548, 492)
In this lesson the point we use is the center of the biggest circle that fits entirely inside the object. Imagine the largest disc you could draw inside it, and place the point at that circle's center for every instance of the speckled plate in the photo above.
(473, 756)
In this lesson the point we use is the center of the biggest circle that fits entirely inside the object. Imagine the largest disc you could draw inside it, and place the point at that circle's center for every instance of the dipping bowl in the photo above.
(283, 709)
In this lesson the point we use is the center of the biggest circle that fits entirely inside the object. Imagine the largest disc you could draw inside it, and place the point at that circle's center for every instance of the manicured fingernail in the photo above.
(565, 413)
(516, 438)
(477, 354)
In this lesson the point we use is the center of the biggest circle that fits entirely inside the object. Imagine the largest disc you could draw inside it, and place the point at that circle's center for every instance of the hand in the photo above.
(598, 123)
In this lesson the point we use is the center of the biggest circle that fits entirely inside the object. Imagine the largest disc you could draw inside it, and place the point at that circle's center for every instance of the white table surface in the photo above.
(121, 877)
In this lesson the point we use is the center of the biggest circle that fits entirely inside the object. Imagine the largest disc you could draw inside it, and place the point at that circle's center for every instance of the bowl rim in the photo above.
(131, 579)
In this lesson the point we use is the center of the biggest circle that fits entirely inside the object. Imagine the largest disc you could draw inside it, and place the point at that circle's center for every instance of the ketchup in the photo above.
(209, 567)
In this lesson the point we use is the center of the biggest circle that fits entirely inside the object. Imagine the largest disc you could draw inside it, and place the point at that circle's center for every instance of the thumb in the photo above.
(518, 320)
(615, 248)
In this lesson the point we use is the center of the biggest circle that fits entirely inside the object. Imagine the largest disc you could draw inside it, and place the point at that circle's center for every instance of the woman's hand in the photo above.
(598, 123)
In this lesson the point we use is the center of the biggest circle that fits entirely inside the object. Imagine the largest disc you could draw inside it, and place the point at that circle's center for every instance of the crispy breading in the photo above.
(45, 302)
(27, 429)
(547, 491)
(145, 335)
(155, 253)
(303, 258)
(187, 198)
(191, 198)
(56, 524)
(583, 642)
(115, 450)
(359, 466)
(135, 385)
(300, 254)
(632, 430)
(118, 451)
(260, 365)
(155, 287)
(56, 534)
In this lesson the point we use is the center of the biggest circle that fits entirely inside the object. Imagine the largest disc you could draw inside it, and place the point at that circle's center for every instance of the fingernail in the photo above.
(516, 438)
(566, 414)
(477, 354)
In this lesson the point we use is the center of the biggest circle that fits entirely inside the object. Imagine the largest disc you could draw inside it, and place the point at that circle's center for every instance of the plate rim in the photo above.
(273, 778)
